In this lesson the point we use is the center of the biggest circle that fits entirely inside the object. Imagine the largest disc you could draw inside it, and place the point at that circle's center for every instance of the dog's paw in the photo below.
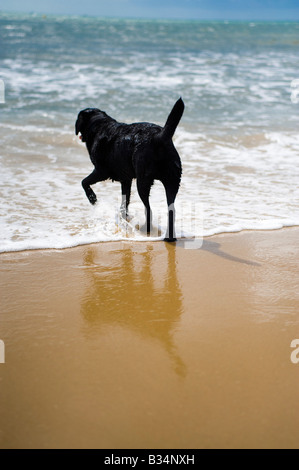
(91, 197)
(125, 215)
(170, 240)
(145, 229)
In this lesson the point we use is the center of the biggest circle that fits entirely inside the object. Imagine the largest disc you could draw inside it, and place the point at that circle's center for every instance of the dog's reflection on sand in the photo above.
(120, 294)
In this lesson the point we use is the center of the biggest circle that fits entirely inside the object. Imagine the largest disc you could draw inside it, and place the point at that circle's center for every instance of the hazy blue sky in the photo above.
(199, 9)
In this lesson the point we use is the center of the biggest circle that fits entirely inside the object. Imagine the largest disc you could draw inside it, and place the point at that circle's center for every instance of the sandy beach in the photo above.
(148, 345)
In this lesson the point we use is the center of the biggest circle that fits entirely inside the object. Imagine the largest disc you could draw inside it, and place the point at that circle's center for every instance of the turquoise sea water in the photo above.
(238, 139)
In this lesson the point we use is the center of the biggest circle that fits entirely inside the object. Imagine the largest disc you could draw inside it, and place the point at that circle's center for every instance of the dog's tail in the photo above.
(173, 120)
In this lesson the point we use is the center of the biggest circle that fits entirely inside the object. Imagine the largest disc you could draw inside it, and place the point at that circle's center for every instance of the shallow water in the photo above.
(238, 138)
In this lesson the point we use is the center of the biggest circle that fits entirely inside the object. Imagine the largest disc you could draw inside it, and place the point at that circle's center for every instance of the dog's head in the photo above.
(83, 121)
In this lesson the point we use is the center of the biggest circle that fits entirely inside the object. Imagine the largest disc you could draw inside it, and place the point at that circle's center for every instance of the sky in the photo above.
(172, 9)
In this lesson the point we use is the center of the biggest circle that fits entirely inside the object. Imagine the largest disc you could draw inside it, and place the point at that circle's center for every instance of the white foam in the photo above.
(225, 187)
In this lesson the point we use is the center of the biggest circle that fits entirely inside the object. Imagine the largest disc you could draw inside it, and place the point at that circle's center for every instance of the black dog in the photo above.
(142, 150)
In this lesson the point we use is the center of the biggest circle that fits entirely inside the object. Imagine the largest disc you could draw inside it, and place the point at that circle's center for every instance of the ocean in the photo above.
(238, 138)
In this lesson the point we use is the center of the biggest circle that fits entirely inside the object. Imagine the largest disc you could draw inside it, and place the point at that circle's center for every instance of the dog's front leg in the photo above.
(125, 198)
(144, 187)
(93, 178)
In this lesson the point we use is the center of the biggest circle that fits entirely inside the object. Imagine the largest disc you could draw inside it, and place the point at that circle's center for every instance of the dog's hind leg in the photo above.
(93, 178)
(144, 187)
(125, 198)
(170, 196)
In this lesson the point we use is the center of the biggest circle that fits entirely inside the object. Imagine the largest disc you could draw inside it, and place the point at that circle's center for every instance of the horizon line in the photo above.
(145, 18)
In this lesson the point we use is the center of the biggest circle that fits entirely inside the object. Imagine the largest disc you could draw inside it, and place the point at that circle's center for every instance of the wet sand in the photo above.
(149, 345)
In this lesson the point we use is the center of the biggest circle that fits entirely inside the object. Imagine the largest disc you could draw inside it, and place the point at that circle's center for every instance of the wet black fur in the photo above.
(122, 152)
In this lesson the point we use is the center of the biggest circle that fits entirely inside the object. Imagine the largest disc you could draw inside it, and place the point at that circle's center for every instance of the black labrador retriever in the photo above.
(142, 150)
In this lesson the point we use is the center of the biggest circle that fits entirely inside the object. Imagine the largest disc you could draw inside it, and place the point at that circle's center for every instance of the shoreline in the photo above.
(122, 345)
(132, 240)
